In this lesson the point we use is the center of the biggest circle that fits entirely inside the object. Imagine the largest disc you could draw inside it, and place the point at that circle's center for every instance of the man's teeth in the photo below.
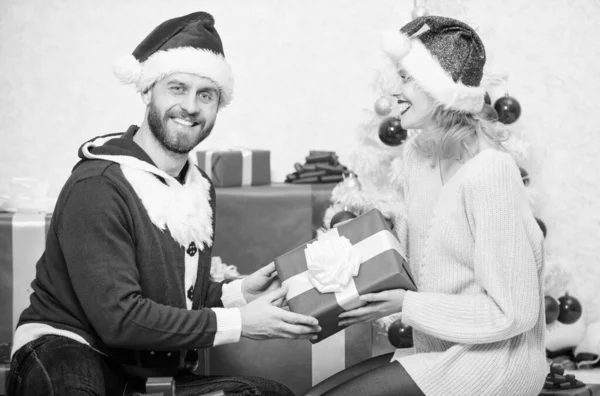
(183, 122)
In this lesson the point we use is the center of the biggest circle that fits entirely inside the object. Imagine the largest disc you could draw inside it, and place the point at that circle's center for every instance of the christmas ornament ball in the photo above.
(400, 335)
(391, 132)
(508, 109)
(383, 106)
(552, 309)
(340, 217)
(570, 309)
(542, 226)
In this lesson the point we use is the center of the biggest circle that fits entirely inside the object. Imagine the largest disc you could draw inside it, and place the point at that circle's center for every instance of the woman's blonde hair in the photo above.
(450, 133)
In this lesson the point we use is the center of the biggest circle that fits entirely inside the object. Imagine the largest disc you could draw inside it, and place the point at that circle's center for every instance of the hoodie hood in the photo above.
(119, 148)
(182, 208)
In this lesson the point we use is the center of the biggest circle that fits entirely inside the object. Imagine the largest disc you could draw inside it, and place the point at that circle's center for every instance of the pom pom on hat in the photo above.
(127, 69)
(395, 44)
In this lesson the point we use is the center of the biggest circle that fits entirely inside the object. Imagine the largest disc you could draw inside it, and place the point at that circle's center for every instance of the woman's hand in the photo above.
(379, 305)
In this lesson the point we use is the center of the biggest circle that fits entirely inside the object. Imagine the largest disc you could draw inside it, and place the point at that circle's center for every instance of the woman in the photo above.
(474, 246)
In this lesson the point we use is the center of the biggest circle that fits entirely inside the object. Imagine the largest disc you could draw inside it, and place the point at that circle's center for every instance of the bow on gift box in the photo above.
(332, 262)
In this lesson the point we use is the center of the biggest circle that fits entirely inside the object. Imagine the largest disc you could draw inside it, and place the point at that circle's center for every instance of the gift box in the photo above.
(256, 224)
(297, 364)
(326, 276)
(22, 242)
(319, 167)
(231, 168)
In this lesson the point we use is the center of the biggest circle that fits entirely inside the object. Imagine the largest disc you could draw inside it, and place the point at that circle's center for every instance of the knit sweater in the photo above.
(476, 252)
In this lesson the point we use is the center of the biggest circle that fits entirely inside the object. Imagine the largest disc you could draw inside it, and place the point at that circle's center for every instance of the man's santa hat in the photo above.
(446, 59)
(187, 44)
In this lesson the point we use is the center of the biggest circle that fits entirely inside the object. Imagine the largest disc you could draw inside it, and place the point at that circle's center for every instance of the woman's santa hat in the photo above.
(446, 58)
(187, 44)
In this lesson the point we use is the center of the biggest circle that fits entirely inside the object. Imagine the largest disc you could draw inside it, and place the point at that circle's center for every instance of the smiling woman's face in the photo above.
(417, 105)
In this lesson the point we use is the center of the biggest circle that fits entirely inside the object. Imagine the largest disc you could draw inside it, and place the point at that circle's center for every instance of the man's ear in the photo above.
(147, 96)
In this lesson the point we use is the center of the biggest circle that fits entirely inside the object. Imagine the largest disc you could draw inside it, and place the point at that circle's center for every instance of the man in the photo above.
(122, 291)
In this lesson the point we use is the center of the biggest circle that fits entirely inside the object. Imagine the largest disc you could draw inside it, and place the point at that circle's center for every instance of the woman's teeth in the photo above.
(403, 107)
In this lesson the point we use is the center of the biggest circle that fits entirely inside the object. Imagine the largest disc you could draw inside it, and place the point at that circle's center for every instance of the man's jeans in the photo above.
(55, 365)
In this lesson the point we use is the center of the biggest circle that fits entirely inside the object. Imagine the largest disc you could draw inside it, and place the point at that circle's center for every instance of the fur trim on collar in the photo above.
(184, 209)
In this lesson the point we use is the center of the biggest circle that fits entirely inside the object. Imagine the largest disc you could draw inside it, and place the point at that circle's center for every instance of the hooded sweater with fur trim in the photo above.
(127, 259)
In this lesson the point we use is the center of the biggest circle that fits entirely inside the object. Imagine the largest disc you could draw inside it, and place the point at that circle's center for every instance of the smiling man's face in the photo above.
(182, 109)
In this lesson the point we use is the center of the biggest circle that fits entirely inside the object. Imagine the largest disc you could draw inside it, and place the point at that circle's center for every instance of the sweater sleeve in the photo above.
(232, 294)
(505, 269)
(225, 294)
(96, 238)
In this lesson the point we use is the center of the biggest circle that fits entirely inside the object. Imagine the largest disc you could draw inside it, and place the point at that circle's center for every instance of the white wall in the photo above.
(303, 71)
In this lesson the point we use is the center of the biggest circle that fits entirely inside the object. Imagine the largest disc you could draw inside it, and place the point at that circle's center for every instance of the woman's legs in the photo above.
(376, 377)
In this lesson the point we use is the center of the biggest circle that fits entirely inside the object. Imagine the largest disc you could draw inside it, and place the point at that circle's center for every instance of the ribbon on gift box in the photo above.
(22, 242)
(246, 163)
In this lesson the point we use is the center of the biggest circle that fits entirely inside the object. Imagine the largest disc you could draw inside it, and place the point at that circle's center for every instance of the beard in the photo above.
(178, 143)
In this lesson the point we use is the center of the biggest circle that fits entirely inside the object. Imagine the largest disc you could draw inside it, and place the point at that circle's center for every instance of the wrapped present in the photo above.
(326, 276)
(256, 224)
(319, 167)
(297, 364)
(233, 168)
(22, 242)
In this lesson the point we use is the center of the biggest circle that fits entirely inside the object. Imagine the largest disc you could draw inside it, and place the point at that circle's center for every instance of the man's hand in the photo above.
(262, 320)
(261, 281)
(379, 305)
